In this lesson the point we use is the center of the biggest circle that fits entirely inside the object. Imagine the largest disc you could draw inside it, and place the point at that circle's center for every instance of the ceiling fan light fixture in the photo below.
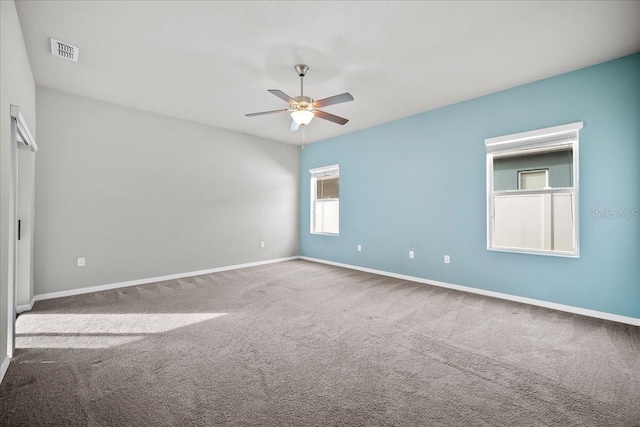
(302, 117)
(303, 108)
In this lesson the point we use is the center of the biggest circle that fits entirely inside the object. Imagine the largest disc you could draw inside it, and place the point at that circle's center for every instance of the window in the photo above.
(325, 200)
(532, 191)
(533, 180)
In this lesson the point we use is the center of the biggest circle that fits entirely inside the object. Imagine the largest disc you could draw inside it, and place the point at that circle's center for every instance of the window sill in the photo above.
(534, 252)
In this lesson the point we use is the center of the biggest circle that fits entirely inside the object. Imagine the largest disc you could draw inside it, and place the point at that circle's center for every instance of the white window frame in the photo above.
(315, 174)
(540, 140)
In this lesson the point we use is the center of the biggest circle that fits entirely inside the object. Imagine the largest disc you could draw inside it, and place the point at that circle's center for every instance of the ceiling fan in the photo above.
(302, 108)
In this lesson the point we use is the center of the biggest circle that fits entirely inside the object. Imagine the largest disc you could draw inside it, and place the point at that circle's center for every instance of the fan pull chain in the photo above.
(304, 137)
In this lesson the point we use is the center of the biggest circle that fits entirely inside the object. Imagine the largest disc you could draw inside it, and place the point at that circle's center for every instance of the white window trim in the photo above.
(324, 170)
(535, 140)
(315, 173)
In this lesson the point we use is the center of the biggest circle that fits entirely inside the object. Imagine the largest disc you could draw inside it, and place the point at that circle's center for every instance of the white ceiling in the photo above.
(212, 62)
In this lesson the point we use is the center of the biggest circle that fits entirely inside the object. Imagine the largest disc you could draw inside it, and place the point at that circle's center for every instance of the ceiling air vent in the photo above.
(64, 50)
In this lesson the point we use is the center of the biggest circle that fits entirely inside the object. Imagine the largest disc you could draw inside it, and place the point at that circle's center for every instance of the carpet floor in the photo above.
(304, 344)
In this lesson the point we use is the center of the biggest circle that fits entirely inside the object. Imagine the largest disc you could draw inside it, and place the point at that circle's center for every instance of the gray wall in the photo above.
(141, 195)
(16, 87)
(505, 170)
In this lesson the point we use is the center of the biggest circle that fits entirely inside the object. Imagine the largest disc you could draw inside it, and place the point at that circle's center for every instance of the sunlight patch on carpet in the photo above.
(98, 330)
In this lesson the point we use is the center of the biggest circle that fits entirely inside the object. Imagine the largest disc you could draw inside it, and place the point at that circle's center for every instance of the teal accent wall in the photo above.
(419, 184)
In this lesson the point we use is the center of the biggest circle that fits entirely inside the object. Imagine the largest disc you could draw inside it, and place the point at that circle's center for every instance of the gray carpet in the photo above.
(304, 344)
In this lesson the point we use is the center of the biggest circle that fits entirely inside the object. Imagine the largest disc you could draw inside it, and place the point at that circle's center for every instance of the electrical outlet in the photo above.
(359, 248)
(80, 262)
(262, 244)
(411, 254)
(447, 260)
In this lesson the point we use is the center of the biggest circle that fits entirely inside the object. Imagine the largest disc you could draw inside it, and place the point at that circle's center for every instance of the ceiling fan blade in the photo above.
(265, 112)
(294, 126)
(280, 94)
(336, 99)
(331, 117)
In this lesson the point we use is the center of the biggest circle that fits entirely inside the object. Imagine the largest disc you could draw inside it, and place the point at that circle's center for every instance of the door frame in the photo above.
(20, 134)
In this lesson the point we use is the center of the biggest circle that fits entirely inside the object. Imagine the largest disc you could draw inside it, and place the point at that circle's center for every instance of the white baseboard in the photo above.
(25, 307)
(4, 366)
(72, 292)
(555, 306)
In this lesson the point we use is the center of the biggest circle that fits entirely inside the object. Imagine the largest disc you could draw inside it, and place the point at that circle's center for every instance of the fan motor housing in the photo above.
(303, 100)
